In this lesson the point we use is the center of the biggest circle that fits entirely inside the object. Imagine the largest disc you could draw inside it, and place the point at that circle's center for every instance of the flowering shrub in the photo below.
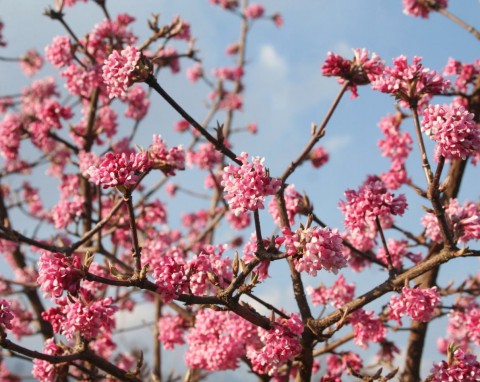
(122, 214)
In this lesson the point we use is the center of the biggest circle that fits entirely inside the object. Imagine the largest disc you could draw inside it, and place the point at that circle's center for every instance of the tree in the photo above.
(110, 241)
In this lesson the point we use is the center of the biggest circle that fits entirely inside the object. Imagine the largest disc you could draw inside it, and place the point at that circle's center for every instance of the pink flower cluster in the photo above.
(45, 371)
(167, 160)
(31, 62)
(118, 70)
(420, 8)
(314, 249)
(338, 294)
(278, 345)
(294, 204)
(341, 363)
(58, 273)
(464, 220)
(254, 11)
(399, 250)
(367, 328)
(170, 330)
(59, 53)
(247, 185)
(138, 103)
(418, 303)
(117, 170)
(466, 74)
(206, 157)
(195, 72)
(454, 129)
(396, 146)
(409, 82)
(464, 367)
(6, 315)
(372, 200)
(361, 70)
(226, 4)
(217, 340)
(319, 156)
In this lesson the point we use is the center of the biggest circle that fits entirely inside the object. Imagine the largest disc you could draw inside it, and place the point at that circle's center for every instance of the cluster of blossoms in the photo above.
(247, 185)
(422, 8)
(314, 249)
(466, 74)
(59, 53)
(396, 146)
(367, 328)
(44, 370)
(410, 83)
(338, 294)
(318, 157)
(464, 221)
(453, 129)
(341, 363)
(119, 170)
(398, 250)
(31, 62)
(58, 273)
(294, 204)
(170, 330)
(361, 70)
(6, 315)
(164, 159)
(418, 303)
(122, 69)
(372, 200)
(206, 157)
(462, 367)
(254, 11)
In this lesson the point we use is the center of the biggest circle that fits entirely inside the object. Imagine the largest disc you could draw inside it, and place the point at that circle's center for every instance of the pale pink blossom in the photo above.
(10, 136)
(80, 81)
(206, 157)
(171, 329)
(195, 72)
(45, 371)
(59, 53)
(118, 70)
(341, 363)
(294, 204)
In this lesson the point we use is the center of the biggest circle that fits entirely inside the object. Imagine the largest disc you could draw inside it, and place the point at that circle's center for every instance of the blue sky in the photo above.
(285, 89)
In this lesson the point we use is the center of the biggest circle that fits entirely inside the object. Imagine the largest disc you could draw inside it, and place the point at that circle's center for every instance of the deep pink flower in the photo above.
(464, 367)
(418, 303)
(466, 74)
(45, 371)
(420, 8)
(195, 72)
(6, 315)
(59, 53)
(454, 129)
(138, 103)
(170, 276)
(343, 362)
(58, 273)
(171, 329)
(361, 70)
(338, 294)
(119, 70)
(247, 185)
(367, 328)
(167, 160)
(10, 134)
(318, 156)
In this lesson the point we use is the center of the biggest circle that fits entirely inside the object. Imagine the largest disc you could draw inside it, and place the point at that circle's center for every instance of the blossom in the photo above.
(59, 53)
(167, 160)
(462, 367)
(116, 170)
(120, 70)
(464, 220)
(206, 157)
(294, 204)
(418, 303)
(6, 315)
(422, 8)
(314, 249)
(226, 4)
(247, 185)
(318, 156)
(338, 294)
(45, 371)
(409, 82)
(398, 250)
(31, 62)
(10, 135)
(361, 70)
(254, 11)
(138, 103)
(453, 128)
(170, 330)
(367, 328)
(195, 72)
(58, 273)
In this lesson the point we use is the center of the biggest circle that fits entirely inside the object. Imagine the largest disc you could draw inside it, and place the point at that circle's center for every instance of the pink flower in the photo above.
(45, 371)
(6, 315)
(464, 367)
(367, 328)
(318, 156)
(398, 250)
(372, 200)
(119, 70)
(181, 126)
(81, 81)
(206, 157)
(247, 185)
(314, 249)
(418, 303)
(421, 8)
(361, 70)
(294, 203)
(59, 53)
(454, 129)
(195, 72)
(10, 134)
(138, 103)
(31, 62)
(409, 83)
(226, 4)
(277, 19)
(254, 11)
(170, 276)
(167, 160)
(171, 329)
(230, 74)
(119, 169)
(343, 362)
(464, 220)
(338, 294)
(58, 273)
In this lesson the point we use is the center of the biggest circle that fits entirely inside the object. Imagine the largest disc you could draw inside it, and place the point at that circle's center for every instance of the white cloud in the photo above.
(338, 142)
(273, 62)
